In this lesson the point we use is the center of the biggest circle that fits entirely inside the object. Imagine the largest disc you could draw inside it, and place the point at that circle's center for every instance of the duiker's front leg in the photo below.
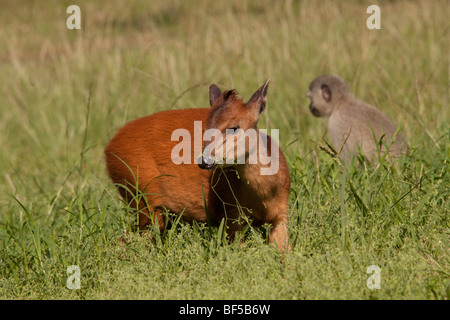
(234, 225)
(280, 235)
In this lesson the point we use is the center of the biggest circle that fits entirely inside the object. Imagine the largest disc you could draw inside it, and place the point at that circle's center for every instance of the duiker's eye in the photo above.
(232, 130)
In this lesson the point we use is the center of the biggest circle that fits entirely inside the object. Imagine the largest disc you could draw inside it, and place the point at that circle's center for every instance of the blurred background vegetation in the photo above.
(64, 93)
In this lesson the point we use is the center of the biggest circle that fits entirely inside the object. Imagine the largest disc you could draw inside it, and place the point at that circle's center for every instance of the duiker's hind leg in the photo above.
(146, 214)
(146, 219)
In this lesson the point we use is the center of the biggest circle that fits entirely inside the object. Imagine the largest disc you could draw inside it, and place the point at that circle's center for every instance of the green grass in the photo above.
(64, 93)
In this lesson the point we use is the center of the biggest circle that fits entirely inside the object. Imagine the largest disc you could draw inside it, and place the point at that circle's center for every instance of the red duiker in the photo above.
(239, 171)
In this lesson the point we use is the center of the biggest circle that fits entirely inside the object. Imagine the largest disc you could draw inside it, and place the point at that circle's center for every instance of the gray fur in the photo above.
(351, 121)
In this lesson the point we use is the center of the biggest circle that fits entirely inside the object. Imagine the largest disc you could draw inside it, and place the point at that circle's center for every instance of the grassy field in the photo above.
(64, 93)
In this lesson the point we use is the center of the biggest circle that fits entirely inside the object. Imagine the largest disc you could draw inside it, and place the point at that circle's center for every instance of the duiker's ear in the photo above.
(259, 97)
(214, 93)
(326, 92)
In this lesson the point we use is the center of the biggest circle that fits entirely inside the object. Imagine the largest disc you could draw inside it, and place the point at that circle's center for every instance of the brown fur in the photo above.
(145, 146)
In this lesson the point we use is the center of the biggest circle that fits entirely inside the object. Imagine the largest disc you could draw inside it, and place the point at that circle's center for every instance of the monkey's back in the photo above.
(361, 126)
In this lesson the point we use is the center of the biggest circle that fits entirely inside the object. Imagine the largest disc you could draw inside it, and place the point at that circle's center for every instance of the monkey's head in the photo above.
(324, 92)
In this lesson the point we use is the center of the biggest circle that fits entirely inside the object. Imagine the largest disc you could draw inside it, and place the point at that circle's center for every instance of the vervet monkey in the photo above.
(353, 125)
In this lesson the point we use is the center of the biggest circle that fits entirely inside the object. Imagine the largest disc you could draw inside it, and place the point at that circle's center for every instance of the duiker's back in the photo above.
(140, 158)
(145, 146)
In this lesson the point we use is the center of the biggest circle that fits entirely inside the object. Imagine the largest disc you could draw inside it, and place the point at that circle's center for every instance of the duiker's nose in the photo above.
(206, 162)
